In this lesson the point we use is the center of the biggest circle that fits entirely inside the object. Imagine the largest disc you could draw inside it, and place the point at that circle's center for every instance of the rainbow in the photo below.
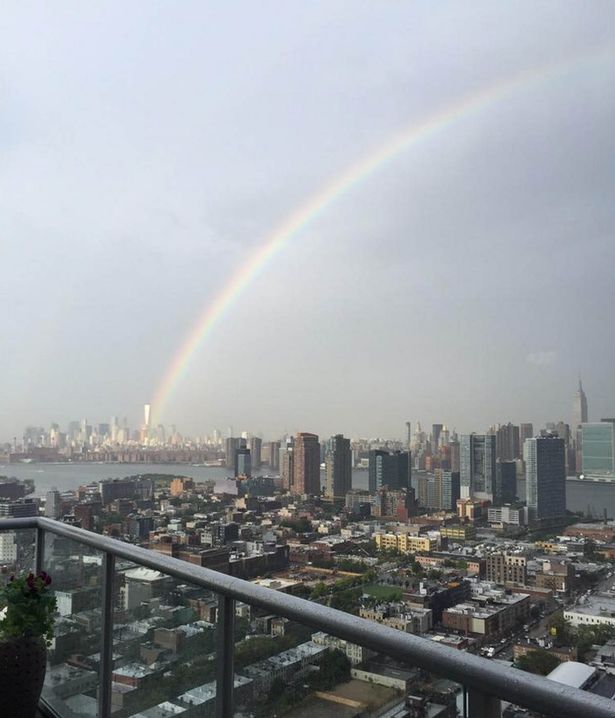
(330, 193)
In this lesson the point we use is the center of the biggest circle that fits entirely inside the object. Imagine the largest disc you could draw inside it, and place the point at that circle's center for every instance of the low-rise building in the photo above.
(405, 542)
(594, 610)
(400, 616)
(356, 654)
(489, 617)
(458, 532)
(506, 568)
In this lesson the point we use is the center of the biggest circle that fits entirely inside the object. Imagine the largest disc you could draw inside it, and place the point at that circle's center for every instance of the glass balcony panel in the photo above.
(71, 682)
(164, 646)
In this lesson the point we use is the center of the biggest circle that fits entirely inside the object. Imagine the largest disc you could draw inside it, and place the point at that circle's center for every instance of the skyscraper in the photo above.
(477, 466)
(442, 490)
(339, 466)
(526, 431)
(579, 407)
(455, 459)
(436, 430)
(243, 460)
(598, 449)
(505, 482)
(306, 469)
(273, 450)
(392, 469)
(579, 416)
(231, 444)
(545, 477)
(255, 444)
(286, 463)
(507, 442)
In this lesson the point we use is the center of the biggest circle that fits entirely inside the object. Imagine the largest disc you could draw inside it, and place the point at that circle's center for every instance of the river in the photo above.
(580, 495)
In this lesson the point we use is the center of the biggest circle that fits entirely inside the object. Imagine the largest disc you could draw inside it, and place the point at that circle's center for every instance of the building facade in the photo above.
(478, 466)
(598, 449)
(545, 477)
(306, 465)
(392, 469)
(339, 467)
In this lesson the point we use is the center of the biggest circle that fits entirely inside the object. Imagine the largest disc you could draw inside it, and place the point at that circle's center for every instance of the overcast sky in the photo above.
(148, 148)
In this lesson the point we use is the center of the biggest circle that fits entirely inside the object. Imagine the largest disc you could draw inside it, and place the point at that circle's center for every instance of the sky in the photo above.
(148, 149)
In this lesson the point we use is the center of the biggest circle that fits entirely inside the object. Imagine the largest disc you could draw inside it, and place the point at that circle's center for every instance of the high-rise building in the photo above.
(286, 462)
(243, 460)
(273, 458)
(579, 407)
(526, 431)
(408, 435)
(146, 415)
(505, 482)
(439, 490)
(255, 444)
(545, 477)
(392, 469)
(339, 466)
(561, 429)
(436, 430)
(398, 503)
(53, 504)
(598, 449)
(115, 427)
(306, 469)
(507, 442)
(477, 466)
(231, 444)
(455, 458)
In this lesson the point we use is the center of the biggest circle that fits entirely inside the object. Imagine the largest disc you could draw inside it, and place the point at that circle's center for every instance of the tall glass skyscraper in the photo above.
(598, 449)
(545, 477)
(392, 469)
(477, 466)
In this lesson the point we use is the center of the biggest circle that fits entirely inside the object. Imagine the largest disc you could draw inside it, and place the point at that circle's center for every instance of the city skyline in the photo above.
(408, 426)
(465, 271)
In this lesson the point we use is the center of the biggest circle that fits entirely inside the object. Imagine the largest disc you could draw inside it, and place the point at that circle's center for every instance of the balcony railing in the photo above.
(485, 683)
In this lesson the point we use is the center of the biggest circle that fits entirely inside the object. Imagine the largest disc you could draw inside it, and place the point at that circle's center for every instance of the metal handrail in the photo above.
(481, 676)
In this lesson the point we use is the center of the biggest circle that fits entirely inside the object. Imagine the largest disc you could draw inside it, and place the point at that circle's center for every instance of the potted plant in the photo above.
(26, 629)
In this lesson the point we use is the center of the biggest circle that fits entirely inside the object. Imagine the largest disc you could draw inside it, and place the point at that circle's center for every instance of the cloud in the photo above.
(542, 358)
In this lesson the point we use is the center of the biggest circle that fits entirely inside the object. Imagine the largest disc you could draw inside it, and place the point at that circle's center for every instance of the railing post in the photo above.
(225, 653)
(39, 550)
(106, 647)
(482, 705)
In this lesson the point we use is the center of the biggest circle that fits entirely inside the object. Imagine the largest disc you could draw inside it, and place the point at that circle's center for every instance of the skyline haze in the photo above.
(150, 150)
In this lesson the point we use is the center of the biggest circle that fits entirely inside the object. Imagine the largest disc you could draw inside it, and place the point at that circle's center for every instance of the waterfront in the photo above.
(580, 495)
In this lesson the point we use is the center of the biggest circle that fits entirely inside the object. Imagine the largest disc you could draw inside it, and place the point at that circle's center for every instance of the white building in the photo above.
(8, 548)
(593, 611)
(356, 654)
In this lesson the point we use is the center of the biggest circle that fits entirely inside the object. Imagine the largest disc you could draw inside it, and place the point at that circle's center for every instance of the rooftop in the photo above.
(572, 673)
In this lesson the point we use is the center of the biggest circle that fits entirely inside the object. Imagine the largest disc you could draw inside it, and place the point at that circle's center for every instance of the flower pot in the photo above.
(22, 671)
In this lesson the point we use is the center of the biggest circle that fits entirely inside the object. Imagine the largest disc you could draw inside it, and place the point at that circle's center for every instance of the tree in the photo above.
(561, 630)
(319, 590)
(334, 668)
(539, 661)
(278, 686)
